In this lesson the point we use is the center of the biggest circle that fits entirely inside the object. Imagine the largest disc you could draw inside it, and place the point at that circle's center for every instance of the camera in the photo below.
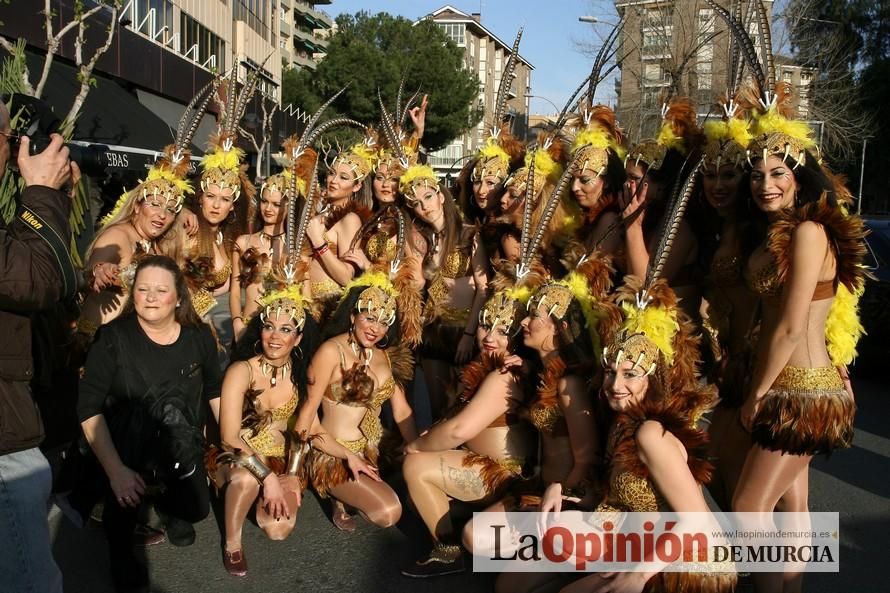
(35, 118)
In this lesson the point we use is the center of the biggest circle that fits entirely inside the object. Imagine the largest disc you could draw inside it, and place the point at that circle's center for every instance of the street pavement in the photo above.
(317, 558)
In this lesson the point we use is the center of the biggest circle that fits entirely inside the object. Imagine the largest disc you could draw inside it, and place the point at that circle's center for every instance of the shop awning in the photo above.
(111, 116)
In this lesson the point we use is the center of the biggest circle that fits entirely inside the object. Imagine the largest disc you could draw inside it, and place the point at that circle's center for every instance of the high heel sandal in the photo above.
(235, 563)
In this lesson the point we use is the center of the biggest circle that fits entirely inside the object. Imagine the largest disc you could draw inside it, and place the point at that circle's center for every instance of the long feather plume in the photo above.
(500, 103)
(250, 86)
(749, 51)
(674, 216)
(398, 96)
(312, 136)
(403, 114)
(307, 132)
(390, 132)
(525, 235)
(766, 45)
(193, 114)
(552, 203)
(604, 54)
(299, 236)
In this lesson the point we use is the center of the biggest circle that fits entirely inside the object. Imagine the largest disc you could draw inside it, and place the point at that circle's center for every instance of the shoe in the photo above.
(180, 533)
(342, 520)
(146, 537)
(443, 559)
(235, 563)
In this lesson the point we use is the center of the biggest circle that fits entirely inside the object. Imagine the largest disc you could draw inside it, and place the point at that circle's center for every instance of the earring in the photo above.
(257, 347)
(384, 346)
(178, 305)
(299, 353)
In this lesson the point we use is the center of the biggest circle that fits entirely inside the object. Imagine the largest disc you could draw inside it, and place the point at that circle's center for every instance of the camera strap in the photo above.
(57, 245)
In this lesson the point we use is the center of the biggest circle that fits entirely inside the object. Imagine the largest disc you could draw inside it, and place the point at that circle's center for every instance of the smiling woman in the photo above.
(146, 383)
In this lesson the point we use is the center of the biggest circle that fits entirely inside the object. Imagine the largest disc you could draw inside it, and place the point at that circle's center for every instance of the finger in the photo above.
(141, 483)
(75, 172)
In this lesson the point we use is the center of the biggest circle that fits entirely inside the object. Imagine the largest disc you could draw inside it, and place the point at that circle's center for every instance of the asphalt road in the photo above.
(317, 558)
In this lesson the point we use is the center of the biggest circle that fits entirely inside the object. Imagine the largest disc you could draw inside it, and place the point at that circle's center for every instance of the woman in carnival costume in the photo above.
(142, 222)
(351, 377)
(455, 267)
(805, 263)
(225, 207)
(261, 464)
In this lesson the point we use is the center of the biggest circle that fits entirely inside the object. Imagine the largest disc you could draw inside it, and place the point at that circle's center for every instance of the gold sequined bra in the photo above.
(726, 270)
(381, 246)
(765, 282)
(266, 441)
(220, 277)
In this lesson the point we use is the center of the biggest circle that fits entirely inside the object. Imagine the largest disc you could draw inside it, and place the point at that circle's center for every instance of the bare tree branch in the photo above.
(53, 41)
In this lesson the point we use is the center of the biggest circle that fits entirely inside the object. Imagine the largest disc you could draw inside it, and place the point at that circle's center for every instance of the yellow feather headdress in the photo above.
(287, 301)
(417, 176)
(378, 297)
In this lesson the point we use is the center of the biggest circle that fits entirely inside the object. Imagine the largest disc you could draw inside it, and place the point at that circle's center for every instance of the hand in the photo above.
(315, 230)
(358, 258)
(418, 117)
(189, 222)
(50, 168)
(273, 497)
(464, 349)
(75, 179)
(105, 274)
(632, 203)
(358, 466)
(128, 487)
(510, 362)
(749, 411)
(551, 501)
(292, 484)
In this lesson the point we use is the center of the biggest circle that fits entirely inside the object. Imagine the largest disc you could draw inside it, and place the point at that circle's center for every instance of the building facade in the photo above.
(665, 44)
(304, 30)
(486, 55)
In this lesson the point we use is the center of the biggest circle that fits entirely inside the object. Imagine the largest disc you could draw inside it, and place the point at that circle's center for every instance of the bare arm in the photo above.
(231, 407)
(577, 407)
(341, 271)
(684, 244)
(96, 431)
(235, 282)
(321, 370)
(403, 415)
(491, 401)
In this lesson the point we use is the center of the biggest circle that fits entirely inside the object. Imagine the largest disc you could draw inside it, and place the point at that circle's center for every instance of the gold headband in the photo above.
(279, 182)
(224, 178)
(649, 152)
(592, 158)
(724, 152)
(554, 297)
(163, 190)
(636, 347)
(778, 144)
(377, 303)
(500, 309)
(288, 301)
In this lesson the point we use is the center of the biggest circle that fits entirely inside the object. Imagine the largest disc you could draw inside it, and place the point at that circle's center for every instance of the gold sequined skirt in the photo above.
(805, 412)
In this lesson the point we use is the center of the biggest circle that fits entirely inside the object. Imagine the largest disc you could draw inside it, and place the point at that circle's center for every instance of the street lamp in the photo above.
(555, 106)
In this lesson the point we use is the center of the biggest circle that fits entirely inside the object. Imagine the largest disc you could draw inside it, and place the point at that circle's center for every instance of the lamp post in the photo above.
(555, 106)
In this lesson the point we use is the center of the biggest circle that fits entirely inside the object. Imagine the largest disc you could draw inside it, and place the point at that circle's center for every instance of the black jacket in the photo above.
(31, 280)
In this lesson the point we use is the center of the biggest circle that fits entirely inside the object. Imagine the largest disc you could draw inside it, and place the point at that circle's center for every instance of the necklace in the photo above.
(146, 245)
(270, 370)
(264, 236)
(360, 352)
(219, 237)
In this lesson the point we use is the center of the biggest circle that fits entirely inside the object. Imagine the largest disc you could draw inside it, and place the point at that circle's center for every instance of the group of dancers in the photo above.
(598, 324)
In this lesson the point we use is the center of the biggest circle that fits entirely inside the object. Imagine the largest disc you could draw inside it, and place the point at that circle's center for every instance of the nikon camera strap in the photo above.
(57, 245)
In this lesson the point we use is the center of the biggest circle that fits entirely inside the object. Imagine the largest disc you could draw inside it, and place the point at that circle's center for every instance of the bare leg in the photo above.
(767, 478)
(434, 477)
(730, 444)
(376, 501)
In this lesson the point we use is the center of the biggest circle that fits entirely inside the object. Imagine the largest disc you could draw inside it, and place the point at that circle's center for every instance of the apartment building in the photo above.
(664, 43)
(304, 30)
(485, 54)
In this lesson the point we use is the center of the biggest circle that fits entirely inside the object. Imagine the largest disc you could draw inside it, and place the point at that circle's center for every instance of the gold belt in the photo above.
(802, 379)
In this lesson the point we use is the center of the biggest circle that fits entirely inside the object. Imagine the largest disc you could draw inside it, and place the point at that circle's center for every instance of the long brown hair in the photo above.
(458, 235)
(185, 313)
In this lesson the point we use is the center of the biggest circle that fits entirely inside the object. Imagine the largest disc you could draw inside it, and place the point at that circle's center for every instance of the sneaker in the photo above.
(443, 559)
(180, 533)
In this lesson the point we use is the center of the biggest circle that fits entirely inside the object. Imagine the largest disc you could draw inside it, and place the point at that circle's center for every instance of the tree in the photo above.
(374, 52)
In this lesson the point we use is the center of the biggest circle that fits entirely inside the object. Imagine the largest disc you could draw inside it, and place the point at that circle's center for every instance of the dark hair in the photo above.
(465, 199)
(185, 313)
(614, 176)
(341, 321)
(245, 349)
(573, 343)
(234, 225)
(813, 179)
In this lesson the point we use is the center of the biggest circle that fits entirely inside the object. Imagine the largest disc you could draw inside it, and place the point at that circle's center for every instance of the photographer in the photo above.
(35, 272)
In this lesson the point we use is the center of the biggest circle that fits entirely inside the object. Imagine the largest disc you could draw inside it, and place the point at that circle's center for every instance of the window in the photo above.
(786, 76)
(140, 13)
(652, 73)
(455, 32)
(704, 74)
(806, 78)
(252, 12)
(200, 44)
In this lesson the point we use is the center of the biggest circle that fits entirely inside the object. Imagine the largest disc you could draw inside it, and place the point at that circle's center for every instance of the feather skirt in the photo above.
(806, 412)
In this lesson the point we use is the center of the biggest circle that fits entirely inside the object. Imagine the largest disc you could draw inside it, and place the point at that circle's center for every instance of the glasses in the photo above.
(11, 136)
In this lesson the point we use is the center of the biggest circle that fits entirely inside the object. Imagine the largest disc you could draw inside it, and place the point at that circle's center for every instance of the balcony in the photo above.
(309, 41)
(286, 3)
(284, 27)
(304, 62)
(316, 19)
